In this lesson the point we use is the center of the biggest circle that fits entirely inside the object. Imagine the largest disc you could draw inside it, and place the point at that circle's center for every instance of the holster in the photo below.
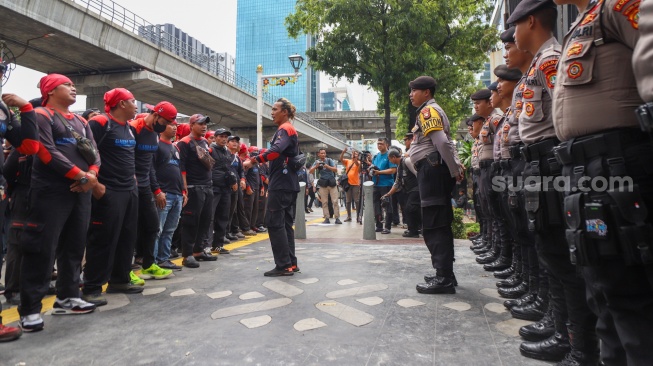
(542, 207)
(434, 158)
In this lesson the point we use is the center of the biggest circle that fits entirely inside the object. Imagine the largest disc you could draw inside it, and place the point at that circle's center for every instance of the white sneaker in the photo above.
(31, 323)
(72, 305)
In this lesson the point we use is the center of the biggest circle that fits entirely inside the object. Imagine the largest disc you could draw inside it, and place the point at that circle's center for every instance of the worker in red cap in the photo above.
(195, 166)
(183, 130)
(114, 216)
(210, 137)
(61, 180)
(150, 195)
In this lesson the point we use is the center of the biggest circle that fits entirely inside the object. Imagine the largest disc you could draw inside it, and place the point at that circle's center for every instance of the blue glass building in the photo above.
(262, 39)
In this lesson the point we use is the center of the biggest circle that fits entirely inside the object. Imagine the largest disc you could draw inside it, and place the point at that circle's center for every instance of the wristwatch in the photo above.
(83, 180)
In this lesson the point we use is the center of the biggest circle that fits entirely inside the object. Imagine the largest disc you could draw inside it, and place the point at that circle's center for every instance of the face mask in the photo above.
(158, 128)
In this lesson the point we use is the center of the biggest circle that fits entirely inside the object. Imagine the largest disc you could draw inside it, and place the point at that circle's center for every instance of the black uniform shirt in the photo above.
(117, 146)
(190, 164)
(147, 143)
(166, 165)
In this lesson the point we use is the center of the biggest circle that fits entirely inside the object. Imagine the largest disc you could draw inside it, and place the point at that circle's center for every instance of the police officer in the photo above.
(534, 22)
(438, 168)
(224, 183)
(474, 125)
(608, 230)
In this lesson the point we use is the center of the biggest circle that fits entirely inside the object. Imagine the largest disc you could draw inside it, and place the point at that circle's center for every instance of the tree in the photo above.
(385, 44)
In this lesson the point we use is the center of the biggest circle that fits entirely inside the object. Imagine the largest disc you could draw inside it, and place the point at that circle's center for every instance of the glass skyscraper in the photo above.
(262, 39)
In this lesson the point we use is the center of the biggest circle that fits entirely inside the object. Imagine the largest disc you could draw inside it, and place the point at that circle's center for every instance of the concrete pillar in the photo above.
(369, 224)
(300, 213)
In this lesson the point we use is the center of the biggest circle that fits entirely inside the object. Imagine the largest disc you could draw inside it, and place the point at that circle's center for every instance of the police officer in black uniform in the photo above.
(438, 169)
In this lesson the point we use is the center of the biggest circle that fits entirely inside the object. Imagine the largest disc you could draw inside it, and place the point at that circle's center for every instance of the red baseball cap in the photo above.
(208, 134)
(253, 148)
(165, 110)
(243, 148)
(199, 118)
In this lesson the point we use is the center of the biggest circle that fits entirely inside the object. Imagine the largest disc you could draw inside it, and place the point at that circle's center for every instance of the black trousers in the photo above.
(413, 212)
(195, 219)
(238, 219)
(250, 205)
(378, 211)
(148, 226)
(311, 195)
(111, 239)
(18, 210)
(279, 220)
(262, 209)
(56, 227)
(395, 208)
(220, 207)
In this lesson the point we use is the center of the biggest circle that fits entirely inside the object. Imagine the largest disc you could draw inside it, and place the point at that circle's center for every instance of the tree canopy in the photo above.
(386, 43)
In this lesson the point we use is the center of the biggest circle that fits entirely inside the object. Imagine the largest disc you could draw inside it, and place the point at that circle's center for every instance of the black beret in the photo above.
(481, 94)
(493, 86)
(468, 122)
(528, 7)
(422, 83)
(503, 72)
(508, 36)
(475, 117)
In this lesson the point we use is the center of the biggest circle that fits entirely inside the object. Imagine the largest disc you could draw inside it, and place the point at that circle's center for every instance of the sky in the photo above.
(212, 22)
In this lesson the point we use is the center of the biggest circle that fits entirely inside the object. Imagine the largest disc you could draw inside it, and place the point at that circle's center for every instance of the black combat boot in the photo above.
(515, 266)
(541, 330)
(499, 264)
(553, 348)
(584, 349)
(511, 281)
(534, 311)
(513, 292)
(525, 299)
(441, 284)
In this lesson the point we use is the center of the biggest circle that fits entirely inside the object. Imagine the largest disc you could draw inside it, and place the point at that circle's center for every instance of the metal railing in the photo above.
(157, 35)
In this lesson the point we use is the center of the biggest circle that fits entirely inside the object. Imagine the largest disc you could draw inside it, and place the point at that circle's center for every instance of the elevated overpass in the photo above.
(100, 45)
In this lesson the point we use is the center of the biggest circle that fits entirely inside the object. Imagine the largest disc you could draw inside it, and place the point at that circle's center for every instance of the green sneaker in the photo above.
(155, 272)
(135, 280)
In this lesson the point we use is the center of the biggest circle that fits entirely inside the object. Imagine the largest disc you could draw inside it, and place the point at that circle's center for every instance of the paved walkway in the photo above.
(354, 303)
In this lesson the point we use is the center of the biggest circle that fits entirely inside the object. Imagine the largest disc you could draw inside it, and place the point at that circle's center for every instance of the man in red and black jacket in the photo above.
(283, 188)
(196, 215)
(114, 214)
(224, 183)
(59, 207)
(146, 130)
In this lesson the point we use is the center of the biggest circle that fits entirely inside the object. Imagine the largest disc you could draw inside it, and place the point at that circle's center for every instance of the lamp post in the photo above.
(296, 62)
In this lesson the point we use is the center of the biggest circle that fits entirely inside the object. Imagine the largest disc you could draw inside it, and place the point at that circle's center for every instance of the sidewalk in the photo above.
(354, 303)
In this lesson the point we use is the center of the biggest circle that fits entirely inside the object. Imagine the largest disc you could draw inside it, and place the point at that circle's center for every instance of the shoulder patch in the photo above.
(430, 120)
(632, 13)
(550, 70)
(619, 6)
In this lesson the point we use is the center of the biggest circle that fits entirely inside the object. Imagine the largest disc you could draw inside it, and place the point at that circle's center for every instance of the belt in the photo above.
(606, 144)
(198, 186)
(539, 150)
(485, 163)
(515, 151)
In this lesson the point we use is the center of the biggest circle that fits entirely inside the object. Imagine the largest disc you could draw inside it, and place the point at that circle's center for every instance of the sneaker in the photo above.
(326, 221)
(410, 235)
(276, 272)
(31, 323)
(249, 233)
(205, 257)
(348, 219)
(95, 299)
(155, 272)
(220, 250)
(240, 235)
(169, 265)
(261, 229)
(231, 237)
(135, 280)
(338, 221)
(295, 268)
(72, 305)
(9, 333)
(385, 231)
(190, 262)
(378, 229)
(124, 288)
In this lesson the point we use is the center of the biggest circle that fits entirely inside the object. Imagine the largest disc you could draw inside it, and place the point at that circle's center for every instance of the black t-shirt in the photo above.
(166, 165)
(223, 158)
(147, 143)
(190, 164)
(253, 178)
(117, 146)
(284, 145)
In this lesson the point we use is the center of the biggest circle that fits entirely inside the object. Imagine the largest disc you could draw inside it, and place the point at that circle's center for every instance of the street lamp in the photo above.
(296, 61)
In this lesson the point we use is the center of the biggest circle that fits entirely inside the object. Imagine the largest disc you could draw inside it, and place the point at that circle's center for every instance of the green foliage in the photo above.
(402, 127)
(457, 226)
(386, 43)
(472, 227)
(465, 153)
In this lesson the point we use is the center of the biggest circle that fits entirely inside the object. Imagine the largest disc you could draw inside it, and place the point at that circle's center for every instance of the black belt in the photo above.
(539, 150)
(485, 163)
(199, 186)
(606, 144)
(515, 151)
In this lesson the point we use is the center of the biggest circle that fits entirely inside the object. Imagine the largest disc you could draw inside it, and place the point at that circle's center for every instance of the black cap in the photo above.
(199, 118)
(89, 111)
(475, 117)
(508, 36)
(493, 87)
(221, 131)
(528, 7)
(422, 83)
(503, 72)
(481, 94)
(233, 137)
